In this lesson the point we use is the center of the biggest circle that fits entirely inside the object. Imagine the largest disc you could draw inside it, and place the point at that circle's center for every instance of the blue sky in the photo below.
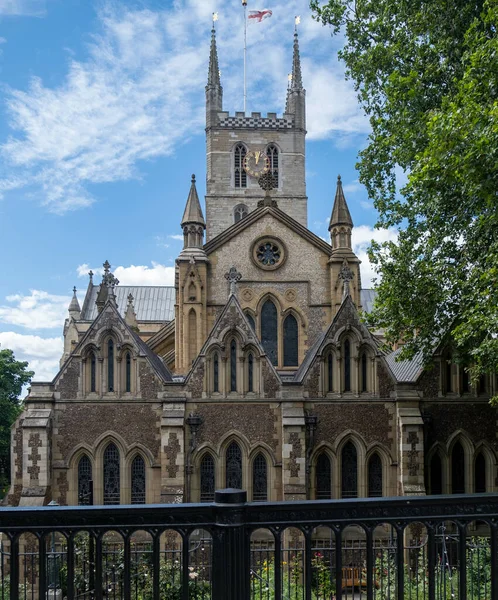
(102, 124)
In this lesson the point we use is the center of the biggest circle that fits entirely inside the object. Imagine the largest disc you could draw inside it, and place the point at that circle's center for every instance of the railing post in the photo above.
(231, 554)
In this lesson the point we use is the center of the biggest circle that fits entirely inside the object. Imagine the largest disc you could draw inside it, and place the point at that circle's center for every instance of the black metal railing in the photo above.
(420, 548)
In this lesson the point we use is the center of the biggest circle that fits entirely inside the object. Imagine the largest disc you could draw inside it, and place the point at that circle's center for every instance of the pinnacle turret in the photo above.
(193, 223)
(74, 306)
(341, 223)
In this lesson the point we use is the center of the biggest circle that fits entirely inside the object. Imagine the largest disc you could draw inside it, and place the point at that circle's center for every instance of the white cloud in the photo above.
(39, 310)
(3, 40)
(42, 354)
(361, 239)
(157, 274)
(176, 236)
(33, 8)
(140, 94)
(353, 187)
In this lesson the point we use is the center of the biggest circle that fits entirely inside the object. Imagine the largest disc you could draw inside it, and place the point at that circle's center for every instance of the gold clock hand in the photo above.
(257, 155)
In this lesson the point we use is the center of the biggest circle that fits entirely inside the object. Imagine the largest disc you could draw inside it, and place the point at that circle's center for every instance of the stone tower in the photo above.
(231, 193)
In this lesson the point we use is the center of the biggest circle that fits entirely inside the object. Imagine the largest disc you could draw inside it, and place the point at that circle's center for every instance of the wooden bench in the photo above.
(355, 577)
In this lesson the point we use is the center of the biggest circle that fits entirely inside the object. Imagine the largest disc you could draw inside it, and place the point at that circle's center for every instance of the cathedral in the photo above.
(256, 370)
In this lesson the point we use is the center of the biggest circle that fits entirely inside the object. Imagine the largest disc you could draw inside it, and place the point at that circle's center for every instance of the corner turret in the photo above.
(341, 223)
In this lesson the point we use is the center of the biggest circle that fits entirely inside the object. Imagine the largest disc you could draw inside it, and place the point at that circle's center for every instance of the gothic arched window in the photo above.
(290, 341)
(259, 479)
(207, 478)
(480, 474)
(374, 476)
(349, 471)
(250, 373)
(269, 331)
(250, 319)
(128, 372)
(110, 366)
(364, 380)
(233, 366)
(330, 372)
(239, 212)
(216, 373)
(93, 372)
(323, 477)
(347, 366)
(240, 178)
(436, 475)
(84, 479)
(458, 469)
(272, 154)
(234, 466)
(138, 480)
(449, 374)
(112, 479)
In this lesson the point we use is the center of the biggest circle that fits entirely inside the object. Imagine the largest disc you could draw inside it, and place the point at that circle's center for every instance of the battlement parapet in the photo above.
(255, 121)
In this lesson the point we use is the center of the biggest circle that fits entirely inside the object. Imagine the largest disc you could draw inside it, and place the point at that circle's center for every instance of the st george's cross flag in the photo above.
(256, 16)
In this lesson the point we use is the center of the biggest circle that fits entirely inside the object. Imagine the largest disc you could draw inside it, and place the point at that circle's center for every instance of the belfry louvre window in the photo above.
(234, 467)
(207, 478)
(259, 479)
(290, 341)
(84, 479)
(239, 212)
(240, 178)
(374, 476)
(272, 154)
(112, 479)
(269, 331)
(349, 470)
(323, 477)
(138, 480)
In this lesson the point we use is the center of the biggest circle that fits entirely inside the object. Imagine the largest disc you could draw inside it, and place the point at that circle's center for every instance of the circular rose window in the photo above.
(268, 253)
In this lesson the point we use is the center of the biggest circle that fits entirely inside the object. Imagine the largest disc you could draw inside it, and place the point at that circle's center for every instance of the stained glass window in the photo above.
(207, 478)
(268, 253)
(259, 479)
(269, 331)
(110, 366)
(240, 174)
(111, 475)
(323, 477)
(250, 373)
(138, 480)
(458, 469)
(436, 475)
(128, 372)
(234, 467)
(364, 372)
(272, 154)
(480, 474)
(84, 479)
(290, 341)
(347, 366)
(349, 471)
(93, 369)
(216, 373)
(330, 371)
(249, 317)
(374, 476)
(233, 366)
(239, 212)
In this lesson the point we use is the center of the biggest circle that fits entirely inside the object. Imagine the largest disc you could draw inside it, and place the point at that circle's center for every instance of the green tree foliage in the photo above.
(13, 376)
(426, 72)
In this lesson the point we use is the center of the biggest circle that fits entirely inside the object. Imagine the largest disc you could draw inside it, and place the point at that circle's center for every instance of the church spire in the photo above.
(193, 223)
(214, 70)
(341, 222)
(296, 94)
(214, 91)
(297, 79)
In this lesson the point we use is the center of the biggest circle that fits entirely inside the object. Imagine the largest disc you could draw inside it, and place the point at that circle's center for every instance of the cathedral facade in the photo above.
(255, 370)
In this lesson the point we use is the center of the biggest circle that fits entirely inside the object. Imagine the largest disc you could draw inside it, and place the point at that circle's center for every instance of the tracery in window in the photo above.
(364, 372)
(240, 178)
(458, 469)
(207, 478)
(216, 373)
(374, 476)
(323, 477)
(272, 154)
(349, 471)
(138, 480)
(110, 366)
(290, 341)
(436, 475)
(128, 372)
(330, 372)
(84, 479)
(250, 373)
(259, 479)
(93, 372)
(234, 466)
(233, 366)
(269, 331)
(347, 366)
(480, 474)
(111, 475)
(239, 212)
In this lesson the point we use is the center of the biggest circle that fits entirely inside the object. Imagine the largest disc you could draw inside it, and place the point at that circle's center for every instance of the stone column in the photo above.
(411, 449)
(293, 451)
(172, 452)
(36, 465)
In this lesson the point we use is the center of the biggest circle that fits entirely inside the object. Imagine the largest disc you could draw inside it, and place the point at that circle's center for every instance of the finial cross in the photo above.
(233, 276)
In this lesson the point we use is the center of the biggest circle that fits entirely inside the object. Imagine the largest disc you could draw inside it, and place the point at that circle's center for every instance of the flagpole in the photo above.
(244, 4)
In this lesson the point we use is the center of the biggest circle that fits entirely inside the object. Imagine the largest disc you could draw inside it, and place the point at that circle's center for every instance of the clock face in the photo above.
(256, 163)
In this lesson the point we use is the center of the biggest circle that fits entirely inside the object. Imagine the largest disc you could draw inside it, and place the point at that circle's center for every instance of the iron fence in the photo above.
(425, 548)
